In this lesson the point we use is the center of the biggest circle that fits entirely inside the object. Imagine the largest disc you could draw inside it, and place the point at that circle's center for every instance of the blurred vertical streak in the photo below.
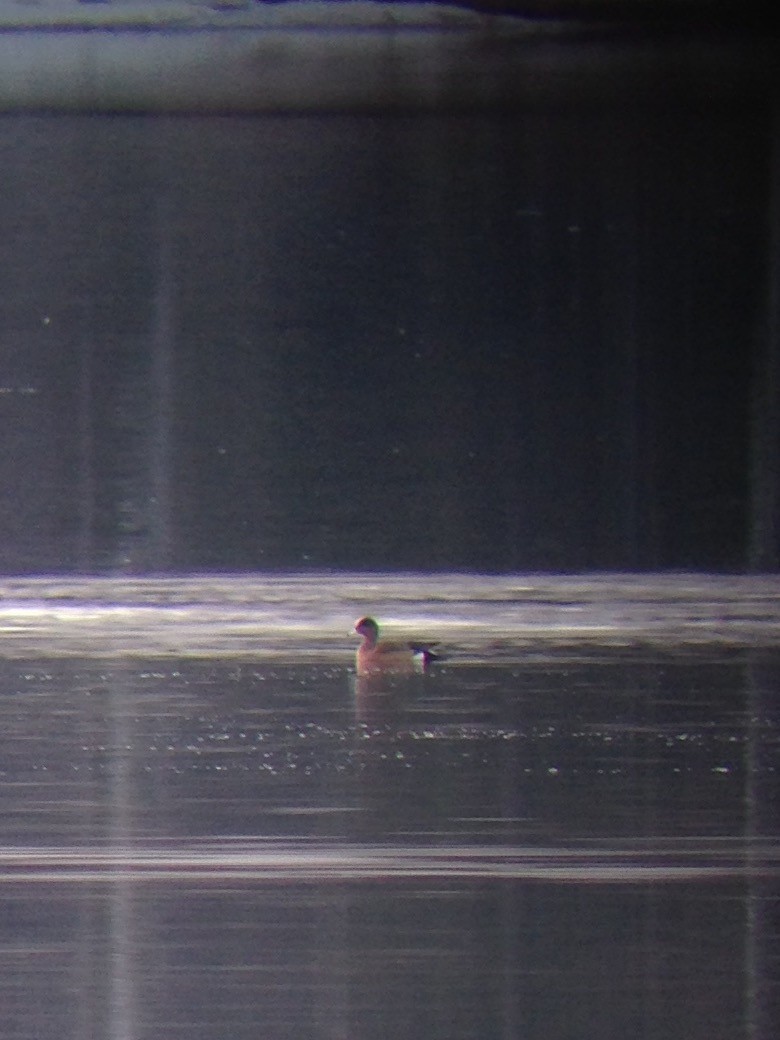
(631, 423)
(86, 459)
(513, 905)
(124, 915)
(764, 520)
(761, 892)
(163, 337)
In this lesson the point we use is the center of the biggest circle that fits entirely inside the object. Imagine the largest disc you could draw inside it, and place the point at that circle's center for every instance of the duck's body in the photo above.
(377, 656)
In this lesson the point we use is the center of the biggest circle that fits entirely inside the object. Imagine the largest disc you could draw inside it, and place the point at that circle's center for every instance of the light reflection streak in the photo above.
(364, 863)
(309, 614)
(123, 912)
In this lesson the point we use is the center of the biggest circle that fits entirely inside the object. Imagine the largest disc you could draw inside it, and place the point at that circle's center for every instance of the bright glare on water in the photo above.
(566, 829)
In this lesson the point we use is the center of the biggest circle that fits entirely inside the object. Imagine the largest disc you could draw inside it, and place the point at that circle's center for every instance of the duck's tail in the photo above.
(424, 654)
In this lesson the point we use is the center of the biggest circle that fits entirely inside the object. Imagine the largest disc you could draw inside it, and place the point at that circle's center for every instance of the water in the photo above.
(568, 829)
(498, 341)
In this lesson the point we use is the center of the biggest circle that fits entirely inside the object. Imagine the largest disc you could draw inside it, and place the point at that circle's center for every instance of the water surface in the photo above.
(567, 829)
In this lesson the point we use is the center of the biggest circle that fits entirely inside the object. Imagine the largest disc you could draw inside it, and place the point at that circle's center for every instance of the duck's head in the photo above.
(368, 628)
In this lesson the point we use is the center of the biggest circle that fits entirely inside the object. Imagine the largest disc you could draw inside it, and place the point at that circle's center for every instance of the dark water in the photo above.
(506, 341)
(560, 842)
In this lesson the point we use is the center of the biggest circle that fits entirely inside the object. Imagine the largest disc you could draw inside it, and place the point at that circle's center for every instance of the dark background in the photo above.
(540, 335)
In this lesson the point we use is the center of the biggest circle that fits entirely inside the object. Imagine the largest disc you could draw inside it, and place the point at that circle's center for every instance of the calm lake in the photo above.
(568, 829)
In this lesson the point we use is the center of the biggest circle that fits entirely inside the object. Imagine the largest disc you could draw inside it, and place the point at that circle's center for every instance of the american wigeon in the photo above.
(377, 656)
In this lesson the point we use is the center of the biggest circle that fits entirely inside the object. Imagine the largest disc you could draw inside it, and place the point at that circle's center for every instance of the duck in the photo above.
(377, 656)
